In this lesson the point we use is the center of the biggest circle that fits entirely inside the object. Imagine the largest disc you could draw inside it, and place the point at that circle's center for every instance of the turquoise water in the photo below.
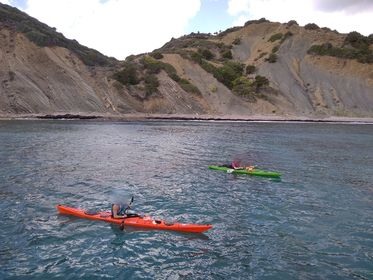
(314, 223)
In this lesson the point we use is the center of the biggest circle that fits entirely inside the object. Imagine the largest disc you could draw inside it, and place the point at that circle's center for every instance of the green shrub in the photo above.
(224, 74)
(213, 88)
(156, 55)
(311, 26)
(275, 49)
(291, 23)
(261, 81)
(188, 87)
(275, 37)
(262, 20)
(196, 57)
(151, 83)
(323, 49)
(206, 54)
(229, 72)
(326, 29)
(128, 75)
(237, 41)
(227, 54)
(356, 40)
(370, 39)
(130, 58)
(229, 30)
(249, 87)
(208, 67)
(92, 57)
(238, 67)
(243, 86)
(170, 70)
(250, 69)
(152, 65)
(175, 77)
(363, 55)
(261, 55)
(272, 58)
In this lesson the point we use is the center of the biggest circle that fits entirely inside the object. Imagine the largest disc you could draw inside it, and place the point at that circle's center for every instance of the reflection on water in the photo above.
(314, 223)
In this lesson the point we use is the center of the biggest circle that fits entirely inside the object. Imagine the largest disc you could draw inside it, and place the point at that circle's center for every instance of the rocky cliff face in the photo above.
(46, 80)
(262, 68)
(308, 84)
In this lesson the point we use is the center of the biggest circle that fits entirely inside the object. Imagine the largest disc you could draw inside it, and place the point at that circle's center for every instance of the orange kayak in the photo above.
(137, 221)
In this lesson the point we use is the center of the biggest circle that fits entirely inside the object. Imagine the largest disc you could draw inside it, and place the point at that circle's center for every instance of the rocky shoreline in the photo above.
(186, 117)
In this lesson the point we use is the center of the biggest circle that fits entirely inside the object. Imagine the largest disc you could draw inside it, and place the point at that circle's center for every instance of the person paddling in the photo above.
(118, 211)
(236, 165)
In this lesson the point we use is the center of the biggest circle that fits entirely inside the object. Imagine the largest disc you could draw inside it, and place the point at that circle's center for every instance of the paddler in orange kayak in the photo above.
(119, 211)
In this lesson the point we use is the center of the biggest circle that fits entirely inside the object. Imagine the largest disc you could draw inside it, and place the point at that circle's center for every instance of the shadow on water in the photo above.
(133, 230)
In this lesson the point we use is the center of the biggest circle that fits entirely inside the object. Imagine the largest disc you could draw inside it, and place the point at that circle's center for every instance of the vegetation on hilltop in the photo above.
(229, 30)
(205, 47)
(256, 21)
(311, 26)
(355, 46)
(291, 23)
(43, 36)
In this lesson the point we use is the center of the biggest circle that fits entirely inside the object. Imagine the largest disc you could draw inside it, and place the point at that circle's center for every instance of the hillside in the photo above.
(262, 68)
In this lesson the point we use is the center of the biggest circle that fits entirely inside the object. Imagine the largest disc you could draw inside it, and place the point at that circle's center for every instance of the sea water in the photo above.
(314, 223)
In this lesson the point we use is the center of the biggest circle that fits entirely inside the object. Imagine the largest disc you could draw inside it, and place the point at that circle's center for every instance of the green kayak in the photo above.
(255, 172)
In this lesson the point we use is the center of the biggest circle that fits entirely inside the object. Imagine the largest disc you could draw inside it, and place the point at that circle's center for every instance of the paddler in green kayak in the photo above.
(237, 166)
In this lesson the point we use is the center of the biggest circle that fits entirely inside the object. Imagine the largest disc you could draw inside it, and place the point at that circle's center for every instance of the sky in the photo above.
(120, 28)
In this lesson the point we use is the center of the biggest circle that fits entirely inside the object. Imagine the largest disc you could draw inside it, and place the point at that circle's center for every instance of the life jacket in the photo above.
(235, 164)
(121, 210)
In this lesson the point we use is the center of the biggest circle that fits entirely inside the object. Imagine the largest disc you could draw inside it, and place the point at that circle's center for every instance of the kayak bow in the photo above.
(138, 221)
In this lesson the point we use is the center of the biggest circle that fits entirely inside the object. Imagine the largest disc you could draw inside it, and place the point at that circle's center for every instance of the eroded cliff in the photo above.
(262, 68)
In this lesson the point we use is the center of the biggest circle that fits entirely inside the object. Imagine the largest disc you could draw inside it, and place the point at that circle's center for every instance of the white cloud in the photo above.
(236, 7)
(5, 2)
(117, 27)
(303, 12)
(348, 6)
